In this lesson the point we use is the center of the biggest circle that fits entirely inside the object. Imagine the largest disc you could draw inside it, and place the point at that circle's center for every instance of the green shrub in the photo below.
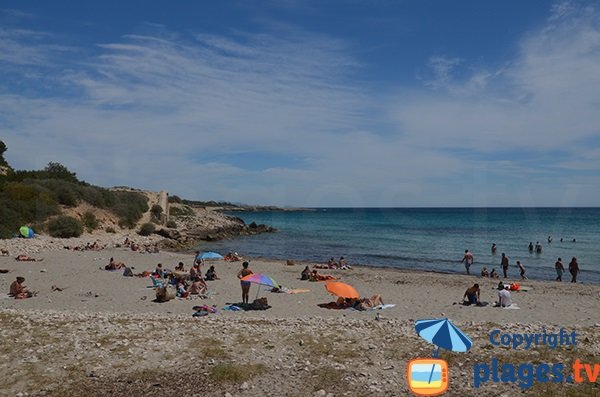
(172, 224)
(174, 199)
(156, 210)
(181, 211)
(90, 221)
(65, 227)
(146, 229)
(110, 230)
(130, 207)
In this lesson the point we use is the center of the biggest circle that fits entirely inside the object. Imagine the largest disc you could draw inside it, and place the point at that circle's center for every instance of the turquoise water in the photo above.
(429, 239)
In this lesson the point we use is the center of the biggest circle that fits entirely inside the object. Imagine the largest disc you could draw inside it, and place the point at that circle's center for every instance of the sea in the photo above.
(430, 239)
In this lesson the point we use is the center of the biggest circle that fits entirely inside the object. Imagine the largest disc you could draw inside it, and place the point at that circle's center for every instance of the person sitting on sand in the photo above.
(211, 274)
(484, 272)
(26, 258)
(504, 298)
(305, 274)
(367, 303)
(180, 267)
(198, 287)
(472, 295)
(494, 274)
(332, 263)
(182, 289)
(342, 264)
(315, 276)
(114, 265)
(18, 290)
(195, 271)
(158, 272)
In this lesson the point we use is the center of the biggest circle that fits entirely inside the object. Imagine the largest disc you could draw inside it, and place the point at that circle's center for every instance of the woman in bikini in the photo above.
(244, 284)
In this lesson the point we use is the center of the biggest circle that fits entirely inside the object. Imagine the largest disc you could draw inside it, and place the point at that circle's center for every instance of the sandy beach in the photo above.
(103, 332)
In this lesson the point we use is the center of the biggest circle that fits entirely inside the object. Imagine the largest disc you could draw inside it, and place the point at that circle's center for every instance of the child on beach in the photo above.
(305, 274)
(494, 274)
(522, 270)
(211, 274)
(484, 272)
(560, 269)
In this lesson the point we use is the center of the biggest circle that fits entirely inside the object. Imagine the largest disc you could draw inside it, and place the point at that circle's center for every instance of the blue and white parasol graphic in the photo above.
(442, 333)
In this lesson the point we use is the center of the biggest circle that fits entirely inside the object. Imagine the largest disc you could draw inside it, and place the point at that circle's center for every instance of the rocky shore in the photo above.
(100, 354)
(205, 224)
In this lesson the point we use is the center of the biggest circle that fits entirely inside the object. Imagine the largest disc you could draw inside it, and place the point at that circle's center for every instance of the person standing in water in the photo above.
(573, 269)
(494, 248)
(504, 264)
(560, 269)
(522, 270)
(244, 284)
(468, 260)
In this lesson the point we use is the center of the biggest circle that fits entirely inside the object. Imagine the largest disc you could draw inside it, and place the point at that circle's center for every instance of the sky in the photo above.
(310, 103)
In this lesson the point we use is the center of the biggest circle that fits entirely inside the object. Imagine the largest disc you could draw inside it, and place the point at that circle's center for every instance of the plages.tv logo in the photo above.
(429, 376)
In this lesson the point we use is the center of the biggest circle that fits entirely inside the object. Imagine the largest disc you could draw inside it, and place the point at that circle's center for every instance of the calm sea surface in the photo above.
(429, 239)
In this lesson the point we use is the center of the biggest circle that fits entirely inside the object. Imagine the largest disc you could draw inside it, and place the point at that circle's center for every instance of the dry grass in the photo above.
(235, 373)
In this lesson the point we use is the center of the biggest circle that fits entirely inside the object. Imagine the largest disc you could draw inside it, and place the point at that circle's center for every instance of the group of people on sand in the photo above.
(332, 264)
(313, 275)
(472, 296)
(232, 257)
(187, 282)
(468, 259)
(95, 246)
(360, 303)
(146, 248)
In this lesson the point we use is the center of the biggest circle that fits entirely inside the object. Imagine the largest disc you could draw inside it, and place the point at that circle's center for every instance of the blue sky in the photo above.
(310, 103)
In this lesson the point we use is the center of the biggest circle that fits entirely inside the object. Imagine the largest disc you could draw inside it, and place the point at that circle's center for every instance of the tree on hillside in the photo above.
(59, 171)
(2, 150)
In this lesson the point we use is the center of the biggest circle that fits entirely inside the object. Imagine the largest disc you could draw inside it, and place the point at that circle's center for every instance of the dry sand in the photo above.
(103, 333)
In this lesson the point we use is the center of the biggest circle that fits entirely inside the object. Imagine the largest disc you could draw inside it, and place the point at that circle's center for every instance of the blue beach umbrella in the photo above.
(209, 255)
(442, 333)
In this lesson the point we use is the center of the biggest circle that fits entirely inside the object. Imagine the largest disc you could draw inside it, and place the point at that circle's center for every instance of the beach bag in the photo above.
(260, 304)
(165, 294)
(515, 286)
(127, 272)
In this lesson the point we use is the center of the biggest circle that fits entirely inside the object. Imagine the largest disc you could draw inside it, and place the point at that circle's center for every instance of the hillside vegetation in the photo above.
(40, 198)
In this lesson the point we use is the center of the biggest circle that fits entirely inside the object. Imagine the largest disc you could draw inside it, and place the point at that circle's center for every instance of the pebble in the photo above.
(244, 386)
(321, 393)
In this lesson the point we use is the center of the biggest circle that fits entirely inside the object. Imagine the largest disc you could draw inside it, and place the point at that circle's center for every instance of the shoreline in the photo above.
(81, 274)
